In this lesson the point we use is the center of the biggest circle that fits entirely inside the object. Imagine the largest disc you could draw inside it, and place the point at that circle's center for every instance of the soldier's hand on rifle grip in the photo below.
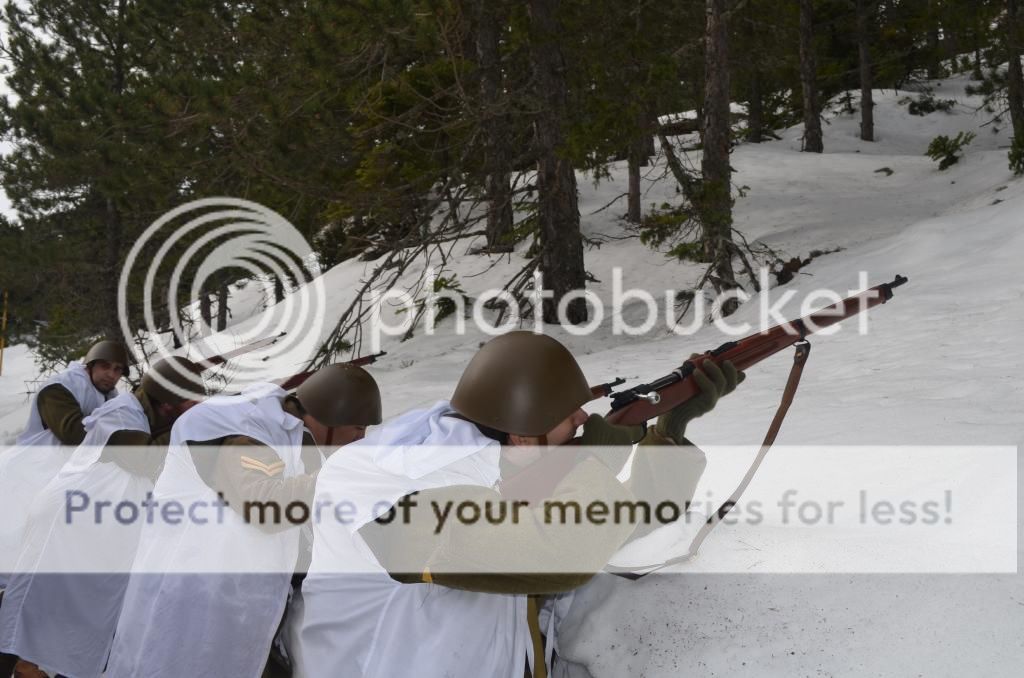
(714, 382)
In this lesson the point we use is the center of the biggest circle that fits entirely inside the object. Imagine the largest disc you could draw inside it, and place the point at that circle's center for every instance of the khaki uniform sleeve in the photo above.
(531, 550)
(250, 475)
(62, 414)
(665, 472)
(132, 451)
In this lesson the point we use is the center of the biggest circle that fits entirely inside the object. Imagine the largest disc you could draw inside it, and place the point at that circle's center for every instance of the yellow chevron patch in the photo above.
(256, 465)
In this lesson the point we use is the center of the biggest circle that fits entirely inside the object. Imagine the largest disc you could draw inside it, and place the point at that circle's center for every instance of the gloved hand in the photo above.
(714, 382)
(609, 443)
(599, 431)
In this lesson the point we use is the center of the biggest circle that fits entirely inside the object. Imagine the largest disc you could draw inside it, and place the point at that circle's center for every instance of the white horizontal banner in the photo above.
(820, 509)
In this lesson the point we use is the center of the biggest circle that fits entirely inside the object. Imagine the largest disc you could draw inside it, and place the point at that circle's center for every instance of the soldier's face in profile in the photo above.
(524, 450)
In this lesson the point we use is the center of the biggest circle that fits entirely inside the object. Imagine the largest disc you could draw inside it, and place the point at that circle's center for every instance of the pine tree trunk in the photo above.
(638, 148)
(206, 309)
(867, 103)
(813, 142)
(497, 160)
(638, 157)
(934, 57)
(755, 109)
(114, 241)
(634, 210)
(648, 145)
(978, 36)
(222, 307)
(278, 289)
(558, 215)
(1014, 77)
(755, 103)
(716, 197)
(115, 235)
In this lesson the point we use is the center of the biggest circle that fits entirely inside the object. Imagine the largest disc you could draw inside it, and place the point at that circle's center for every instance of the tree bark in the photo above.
(716, 208)
(206, 309)
(222, 307)
(558, 215)
(278, 289)
(497, 158)
(634, 210)
(115, 232)
(114, 241)
(1014, 77)
(867, 103)
(813, 142)
(934, 57)
(638, 157)
(755, 102)
(639, 146)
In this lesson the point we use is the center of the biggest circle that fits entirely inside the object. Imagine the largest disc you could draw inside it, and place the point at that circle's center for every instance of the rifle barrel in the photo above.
(631, 408)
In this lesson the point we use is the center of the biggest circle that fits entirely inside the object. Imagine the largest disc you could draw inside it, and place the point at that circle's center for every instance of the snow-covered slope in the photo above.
(938, 366)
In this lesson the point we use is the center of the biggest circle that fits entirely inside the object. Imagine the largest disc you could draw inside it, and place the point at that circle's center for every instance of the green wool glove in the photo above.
(609, 443)
(714, 382)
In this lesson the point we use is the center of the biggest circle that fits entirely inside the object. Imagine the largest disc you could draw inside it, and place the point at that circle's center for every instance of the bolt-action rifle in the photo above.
(297, 380)
(639, 404)
(213, 361)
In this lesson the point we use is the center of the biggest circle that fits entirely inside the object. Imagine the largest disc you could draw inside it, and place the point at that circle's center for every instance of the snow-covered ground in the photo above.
(937, 367)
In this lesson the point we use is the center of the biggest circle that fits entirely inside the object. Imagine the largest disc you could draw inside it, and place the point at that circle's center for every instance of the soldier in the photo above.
(55, 420)
(66, 398)
(410, 596)
(64, 620)
(255, 456)
(61, 607)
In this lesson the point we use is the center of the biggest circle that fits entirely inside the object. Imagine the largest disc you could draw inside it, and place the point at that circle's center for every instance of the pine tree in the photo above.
(558, 215)
(88, 163)
(812, 142)
(716, 198)
(867, 104)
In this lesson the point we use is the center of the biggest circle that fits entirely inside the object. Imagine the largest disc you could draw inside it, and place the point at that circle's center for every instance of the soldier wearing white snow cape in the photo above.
(207, 594)
(54, 429)
(61, 606)
(415, 596)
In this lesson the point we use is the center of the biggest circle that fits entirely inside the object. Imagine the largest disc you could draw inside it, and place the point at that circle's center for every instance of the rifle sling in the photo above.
(803, 349)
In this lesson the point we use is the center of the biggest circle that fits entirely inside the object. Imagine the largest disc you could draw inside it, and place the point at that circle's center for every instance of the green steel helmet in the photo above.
(521, 383)
(341, 395)
(174, 380)
(109, 350)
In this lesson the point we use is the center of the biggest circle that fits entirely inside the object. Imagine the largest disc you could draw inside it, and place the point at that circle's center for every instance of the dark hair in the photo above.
(293, 400)
(492, 433)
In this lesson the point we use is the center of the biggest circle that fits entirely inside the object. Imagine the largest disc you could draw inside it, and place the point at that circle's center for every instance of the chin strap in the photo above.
(803, 349)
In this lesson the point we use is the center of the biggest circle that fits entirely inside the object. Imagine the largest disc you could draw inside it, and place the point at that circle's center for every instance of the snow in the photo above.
(938, 367)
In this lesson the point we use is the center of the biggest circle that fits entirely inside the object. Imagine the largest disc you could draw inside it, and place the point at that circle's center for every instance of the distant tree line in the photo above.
(387, 128)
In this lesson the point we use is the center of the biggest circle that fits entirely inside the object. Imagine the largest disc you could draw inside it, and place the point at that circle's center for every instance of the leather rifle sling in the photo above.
(803, 349)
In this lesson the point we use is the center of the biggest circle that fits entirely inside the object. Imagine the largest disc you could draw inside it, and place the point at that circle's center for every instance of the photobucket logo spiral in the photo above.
(206, 245)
